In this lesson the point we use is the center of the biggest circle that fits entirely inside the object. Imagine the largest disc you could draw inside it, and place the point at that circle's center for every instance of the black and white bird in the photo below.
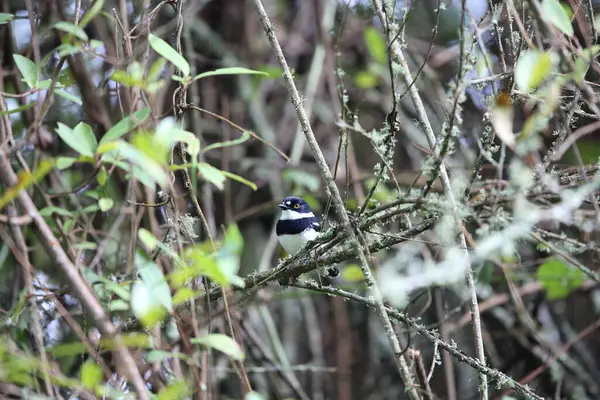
(297, 226)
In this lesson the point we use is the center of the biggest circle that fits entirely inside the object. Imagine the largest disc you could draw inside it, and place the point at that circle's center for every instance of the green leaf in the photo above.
(156, 356)
(48, 211)
(125, 79)
(382, 193)
(156, 69)
(230, 71)
(65, 78)
(559, 279)
(95, 44)
(302, 178)
(28, 70)
(245, 136)
(174, 390)
(229, 255)
(554, 13)
(85, 246)
(83, 133)
(118, 305)
(165, 50)
(67, 49)
(169, 132)
(152, 147)
(154, 279)
(65, 162)
(253, 396)
(151, 242)
(69, 224)
(352, 273)
(221, 342)
(312, 201)
(4, 18)
(192, 142)
(92, 208)
(136, 71)
(91, 374)
(45, 84)
(145, 164)
(583, 62)
(533, 67)
(94, 10)
(233, 242)
(212, 175)
(240, 179)
(125, 125)
(69, 96)
(183, 295)
(17, 109)
(272, 71)
(133, 339)
(199, 264)
(80, 139)
(71, 30)
(365, 80)
(26, 179)
(92, 194)
(121, 290)
(376, 44)
(105, 204)
(142, 176)
(147, 239)
(145, 305)
(15, 312)
(102, 176)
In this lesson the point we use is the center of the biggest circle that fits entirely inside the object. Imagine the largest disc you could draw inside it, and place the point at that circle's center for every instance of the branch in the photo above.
(291, 268)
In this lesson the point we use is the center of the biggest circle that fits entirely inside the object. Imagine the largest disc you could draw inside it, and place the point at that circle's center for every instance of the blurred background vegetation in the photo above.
(144, 146)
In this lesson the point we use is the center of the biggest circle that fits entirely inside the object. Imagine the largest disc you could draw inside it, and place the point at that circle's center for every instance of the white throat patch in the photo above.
(291, 214)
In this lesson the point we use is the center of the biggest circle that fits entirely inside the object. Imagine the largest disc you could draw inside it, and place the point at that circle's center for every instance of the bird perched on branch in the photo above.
(298, 226)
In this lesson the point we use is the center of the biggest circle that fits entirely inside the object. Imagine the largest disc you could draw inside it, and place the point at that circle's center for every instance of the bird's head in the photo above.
(296, 204)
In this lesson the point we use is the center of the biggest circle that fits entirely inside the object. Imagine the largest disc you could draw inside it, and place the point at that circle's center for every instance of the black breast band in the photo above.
(295, 226)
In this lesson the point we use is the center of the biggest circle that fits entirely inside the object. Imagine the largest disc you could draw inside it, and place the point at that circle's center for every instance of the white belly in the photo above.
(293, 243)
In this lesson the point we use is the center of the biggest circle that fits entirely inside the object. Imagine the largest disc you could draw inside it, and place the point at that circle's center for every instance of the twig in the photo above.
(449, 371)
(17, 220)
(239, 128)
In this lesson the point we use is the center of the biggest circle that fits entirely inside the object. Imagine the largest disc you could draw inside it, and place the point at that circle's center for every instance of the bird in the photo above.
(297, 226)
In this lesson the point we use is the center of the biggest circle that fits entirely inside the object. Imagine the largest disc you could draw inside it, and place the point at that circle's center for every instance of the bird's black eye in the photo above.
(296, 205)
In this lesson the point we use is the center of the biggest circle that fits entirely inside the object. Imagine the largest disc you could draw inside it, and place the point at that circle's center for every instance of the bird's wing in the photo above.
(316, 225)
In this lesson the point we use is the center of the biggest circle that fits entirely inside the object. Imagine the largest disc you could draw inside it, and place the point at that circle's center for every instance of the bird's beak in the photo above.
(282, 206)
